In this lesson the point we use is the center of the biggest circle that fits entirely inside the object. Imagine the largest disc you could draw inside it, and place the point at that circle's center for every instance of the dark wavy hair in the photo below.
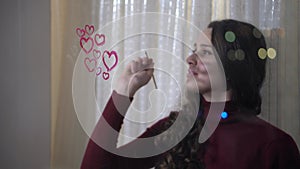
(184, 154)
(237, 44)
(244, 69)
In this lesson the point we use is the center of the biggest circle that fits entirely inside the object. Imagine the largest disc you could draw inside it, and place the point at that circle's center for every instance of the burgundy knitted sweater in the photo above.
(241, 141)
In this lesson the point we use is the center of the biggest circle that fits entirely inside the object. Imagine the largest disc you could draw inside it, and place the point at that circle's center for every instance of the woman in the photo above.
(240, 141)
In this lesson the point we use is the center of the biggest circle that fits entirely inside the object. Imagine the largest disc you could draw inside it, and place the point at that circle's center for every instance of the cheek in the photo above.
(217, 78)
(212, 70)
(203, 82)
(202, 66)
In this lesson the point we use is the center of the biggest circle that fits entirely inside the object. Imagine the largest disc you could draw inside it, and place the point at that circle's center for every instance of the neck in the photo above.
(218, 97)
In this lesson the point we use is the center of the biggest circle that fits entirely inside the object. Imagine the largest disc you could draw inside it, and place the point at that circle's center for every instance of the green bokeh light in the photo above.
(230, 36)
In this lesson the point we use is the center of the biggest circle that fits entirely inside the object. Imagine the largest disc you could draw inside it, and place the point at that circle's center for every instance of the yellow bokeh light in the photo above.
(271, 53)
(262, 53)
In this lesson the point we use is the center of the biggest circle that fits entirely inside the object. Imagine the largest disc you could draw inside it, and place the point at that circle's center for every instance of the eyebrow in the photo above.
(194, 50)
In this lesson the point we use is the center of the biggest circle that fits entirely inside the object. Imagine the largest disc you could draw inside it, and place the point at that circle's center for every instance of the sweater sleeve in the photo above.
(282, 153)
(106, 134)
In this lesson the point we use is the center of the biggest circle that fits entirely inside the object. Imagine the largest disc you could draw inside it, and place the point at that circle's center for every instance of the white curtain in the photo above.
(278, 19)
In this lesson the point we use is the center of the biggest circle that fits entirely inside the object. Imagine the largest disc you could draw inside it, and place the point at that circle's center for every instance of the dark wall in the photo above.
(25, 84)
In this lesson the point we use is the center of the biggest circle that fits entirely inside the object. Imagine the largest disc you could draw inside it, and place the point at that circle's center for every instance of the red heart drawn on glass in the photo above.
(87, 44)
(105, 75)
(89, 29)
(80, 32)
(90, 64)
(98, 71)
(100, 39)
(107, 59)
(96, 53)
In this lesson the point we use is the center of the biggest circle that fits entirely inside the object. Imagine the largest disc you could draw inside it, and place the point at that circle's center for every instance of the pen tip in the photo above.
(146, 53)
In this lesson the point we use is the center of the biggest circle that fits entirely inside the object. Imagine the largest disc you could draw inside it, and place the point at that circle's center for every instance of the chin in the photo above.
(191, 86)
(194, 87)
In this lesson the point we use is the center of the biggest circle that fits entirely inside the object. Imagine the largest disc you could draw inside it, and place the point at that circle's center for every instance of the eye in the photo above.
(205, 52)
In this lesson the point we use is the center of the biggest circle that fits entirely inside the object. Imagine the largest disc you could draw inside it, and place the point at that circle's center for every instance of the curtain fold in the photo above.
(278, 19)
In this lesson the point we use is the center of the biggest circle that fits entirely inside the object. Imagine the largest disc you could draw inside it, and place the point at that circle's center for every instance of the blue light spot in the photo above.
(224, 115)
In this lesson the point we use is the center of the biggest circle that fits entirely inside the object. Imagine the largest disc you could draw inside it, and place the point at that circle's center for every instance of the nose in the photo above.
(192, 60)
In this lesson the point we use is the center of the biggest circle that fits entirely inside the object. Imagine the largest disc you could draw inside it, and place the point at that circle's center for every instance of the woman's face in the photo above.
(203, 66)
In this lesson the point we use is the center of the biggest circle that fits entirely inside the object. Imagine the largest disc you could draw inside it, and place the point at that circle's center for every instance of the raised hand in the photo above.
(136, 74)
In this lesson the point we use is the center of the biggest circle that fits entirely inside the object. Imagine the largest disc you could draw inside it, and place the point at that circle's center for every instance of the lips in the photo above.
(193, 72)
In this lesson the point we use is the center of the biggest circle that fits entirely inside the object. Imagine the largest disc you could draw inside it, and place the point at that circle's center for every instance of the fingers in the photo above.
(141, 64)
(150, 71)
(134, 66)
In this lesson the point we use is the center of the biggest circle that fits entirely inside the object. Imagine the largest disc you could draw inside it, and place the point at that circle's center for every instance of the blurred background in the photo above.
(39, 49)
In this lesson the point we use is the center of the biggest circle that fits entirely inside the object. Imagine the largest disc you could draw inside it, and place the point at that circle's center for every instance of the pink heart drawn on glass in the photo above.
(80, 32)
(98, 71)
(105, 75)
(107, 59)
(90, 64)
(100, 39)
(89, 29)
(97, 53)
(86, 44)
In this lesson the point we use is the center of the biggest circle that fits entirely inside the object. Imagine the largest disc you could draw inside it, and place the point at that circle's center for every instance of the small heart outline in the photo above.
(96, 53)
(105, 75)
(80, 32)
(84, 41)
(89, 29)
(98, 71)
(109, 55)
(87, 64)
(99, 37)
